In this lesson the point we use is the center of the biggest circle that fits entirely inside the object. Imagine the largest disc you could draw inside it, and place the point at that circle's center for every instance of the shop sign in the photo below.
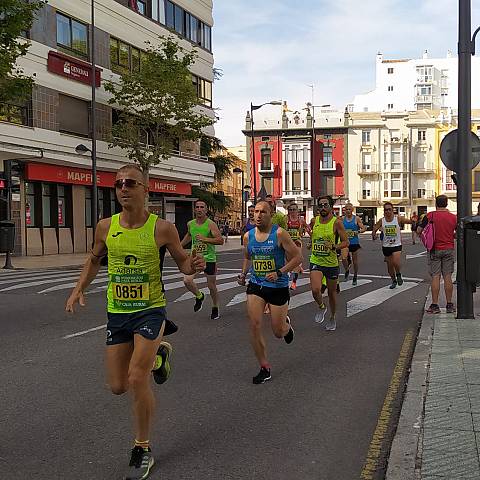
(72, 68)
(79, 176)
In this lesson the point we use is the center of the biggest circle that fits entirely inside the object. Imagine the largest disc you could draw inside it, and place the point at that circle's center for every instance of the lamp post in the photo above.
(252, 108)
(239, 170)
(82, 149)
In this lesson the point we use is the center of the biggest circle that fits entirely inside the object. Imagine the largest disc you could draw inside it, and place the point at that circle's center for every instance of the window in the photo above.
(476, 181)
(88, 207)
(296, 159)
(422, 135)
(266, 159)
(193, 29)
(141, 7)
(366, 137)
(204, 90)
(390, 106)
(123, 57)
(47, 205)
(366, 162)
(179, 20)
(424, 89)
(169, 14)
(327, 160)
(390, 70)
(30, 206)
(396, 161)
(424, 74)
(72, 36)
(73, 116)
(327, 136)
(390, 88)
(396, 185)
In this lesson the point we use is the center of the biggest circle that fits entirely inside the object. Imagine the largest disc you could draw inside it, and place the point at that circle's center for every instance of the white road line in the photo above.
(408, 279)
(220, 287)
(65, 286)
(78, 334)
(36, 276)
(39, 282)
(374, 298)
(306, 297)
(417, 255)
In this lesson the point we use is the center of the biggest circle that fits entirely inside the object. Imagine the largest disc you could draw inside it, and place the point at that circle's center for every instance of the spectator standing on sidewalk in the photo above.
(414, 219)
(441, 258)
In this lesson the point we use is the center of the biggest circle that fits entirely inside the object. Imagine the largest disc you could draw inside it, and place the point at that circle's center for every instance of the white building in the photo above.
(52, 210)
(416, 84)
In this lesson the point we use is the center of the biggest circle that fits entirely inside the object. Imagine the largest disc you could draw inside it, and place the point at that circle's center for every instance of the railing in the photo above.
(367, 169)
(297, 193)
(328, 167)
(423, 98)
(373, 197)
(428, 195)
(424, 168)
(265, 168)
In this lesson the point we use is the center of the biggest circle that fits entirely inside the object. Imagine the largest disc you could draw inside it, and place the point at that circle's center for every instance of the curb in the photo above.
(405, 454)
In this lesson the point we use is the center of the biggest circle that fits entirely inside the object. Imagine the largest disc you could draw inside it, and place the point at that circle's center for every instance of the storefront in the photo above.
(57, 206)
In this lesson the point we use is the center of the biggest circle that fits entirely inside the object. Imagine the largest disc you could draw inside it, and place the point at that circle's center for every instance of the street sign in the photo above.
(448, 150)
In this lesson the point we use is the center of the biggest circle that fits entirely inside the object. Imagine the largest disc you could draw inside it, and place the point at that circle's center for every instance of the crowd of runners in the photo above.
(134, 243)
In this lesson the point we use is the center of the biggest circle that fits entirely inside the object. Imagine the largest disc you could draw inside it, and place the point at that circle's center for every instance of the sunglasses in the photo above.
(127, 183)
(324, 205)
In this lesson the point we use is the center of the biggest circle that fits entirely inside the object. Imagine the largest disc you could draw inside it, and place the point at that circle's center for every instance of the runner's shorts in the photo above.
(387, 251)
(331, 273)
(121, 327)
(353, 248)
(210, 268)
(441, 261)
(273, 296)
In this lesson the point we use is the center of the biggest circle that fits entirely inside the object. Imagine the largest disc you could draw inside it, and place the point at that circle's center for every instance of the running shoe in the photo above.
(354, 280)
(399, 279)
(262, 376)
(215, 314)
(161, 367)
(331, 325)
(291, 333)
(347, 273)
(433, 308)
(320, 315)
(140, 464)
(338, 287)
(293, 285)
(393, 285)
(450, 308)
(199, 303)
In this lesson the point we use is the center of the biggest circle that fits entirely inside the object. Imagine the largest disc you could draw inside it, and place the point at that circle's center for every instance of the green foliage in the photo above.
(156, 104)
(16, 17)
(216, 202)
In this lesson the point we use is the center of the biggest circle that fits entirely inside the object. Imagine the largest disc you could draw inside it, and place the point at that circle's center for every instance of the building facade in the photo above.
(415, 84)
(297, 155)
(52, 206)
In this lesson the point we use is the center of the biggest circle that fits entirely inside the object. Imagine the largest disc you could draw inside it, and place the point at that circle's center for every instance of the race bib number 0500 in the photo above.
(320, 249)
(130, 291)
(263, 265)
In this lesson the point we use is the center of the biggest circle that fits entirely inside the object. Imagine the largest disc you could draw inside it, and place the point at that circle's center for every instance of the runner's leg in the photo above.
(117, 360)
(189, 282)
(280, 326)
(355, 262)
(212, 286)
(255, 308)
(332, 295)
(316, 281)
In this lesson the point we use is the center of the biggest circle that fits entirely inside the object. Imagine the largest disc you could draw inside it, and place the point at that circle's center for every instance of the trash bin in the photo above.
(7, 236)
(472, 249)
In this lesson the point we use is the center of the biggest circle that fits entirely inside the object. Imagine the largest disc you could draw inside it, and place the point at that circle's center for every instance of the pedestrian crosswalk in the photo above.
(60, 282)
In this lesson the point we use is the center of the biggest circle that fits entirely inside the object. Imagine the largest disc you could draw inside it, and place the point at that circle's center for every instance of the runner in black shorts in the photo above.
(266, 247)
(353, 226)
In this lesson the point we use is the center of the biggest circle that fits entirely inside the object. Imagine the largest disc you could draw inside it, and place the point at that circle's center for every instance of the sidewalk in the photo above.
(78, 259)
(439, 426)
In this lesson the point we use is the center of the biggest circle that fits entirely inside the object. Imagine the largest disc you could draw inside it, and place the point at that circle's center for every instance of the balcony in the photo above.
(423, 195)
(364, 199)
(328, 166)
(423, 98)
(427, 168)
(297, 194)
(368, 169)
(265, 168)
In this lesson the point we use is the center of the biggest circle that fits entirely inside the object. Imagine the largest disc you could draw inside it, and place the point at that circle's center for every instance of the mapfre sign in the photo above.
(72, 68)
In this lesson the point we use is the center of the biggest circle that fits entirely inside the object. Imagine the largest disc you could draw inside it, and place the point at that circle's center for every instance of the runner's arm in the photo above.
(361, 226)
(342, 233)
(217, 238)
(91, 267)
(376, 227)
(292, 252)
(403, 221)
(246, 261)
(187, 238)
(166, 234)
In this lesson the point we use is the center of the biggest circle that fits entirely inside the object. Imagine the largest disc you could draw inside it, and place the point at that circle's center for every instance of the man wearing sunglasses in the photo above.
(204, 235)
(324, 260)
(135, 242)
(390, 226)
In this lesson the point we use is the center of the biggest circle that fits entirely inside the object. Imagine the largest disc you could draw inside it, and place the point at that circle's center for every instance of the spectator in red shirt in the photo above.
(441, 258)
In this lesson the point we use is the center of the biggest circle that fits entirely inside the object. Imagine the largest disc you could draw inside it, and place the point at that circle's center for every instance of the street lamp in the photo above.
(252, 108)
(239, 170)
(81, 149)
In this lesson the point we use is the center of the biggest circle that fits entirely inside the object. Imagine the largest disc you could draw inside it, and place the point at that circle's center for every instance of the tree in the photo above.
(156, 104)
(16, 18)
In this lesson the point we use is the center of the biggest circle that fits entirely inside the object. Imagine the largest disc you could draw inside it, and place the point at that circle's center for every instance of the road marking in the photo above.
(306, 297)
(39, 282)
(373, 456)
(408, 279)
(220, 287)
(417, 255)
(78, 334)
(35, 276)
(374, 298)
(65, 286)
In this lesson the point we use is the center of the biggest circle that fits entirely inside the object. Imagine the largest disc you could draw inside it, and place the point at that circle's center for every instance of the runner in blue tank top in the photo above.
(266, 248)
(353, 226)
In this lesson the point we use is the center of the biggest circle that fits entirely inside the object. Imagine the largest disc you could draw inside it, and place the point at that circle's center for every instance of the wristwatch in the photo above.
(279, 273)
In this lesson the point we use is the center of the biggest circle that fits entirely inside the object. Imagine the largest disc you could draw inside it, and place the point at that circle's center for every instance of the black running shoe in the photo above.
(399, 279)
(347, 274)
(140, 464)
(199, 303)
(161, 368)
(215, 313)
(262, 376)
(290, 335)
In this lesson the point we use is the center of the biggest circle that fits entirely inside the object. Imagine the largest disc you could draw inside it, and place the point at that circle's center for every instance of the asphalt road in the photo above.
(314, 420)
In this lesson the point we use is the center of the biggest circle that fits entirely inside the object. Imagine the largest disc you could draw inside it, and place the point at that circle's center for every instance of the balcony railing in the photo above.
(328, 166)
(297, 193)
(423, 98)
(423, 168)
(368, 169)
(427, 195)
(265, 168)
(372, 197)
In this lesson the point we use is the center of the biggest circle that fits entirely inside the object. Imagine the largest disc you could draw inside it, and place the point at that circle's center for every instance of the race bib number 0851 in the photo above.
(130, 291)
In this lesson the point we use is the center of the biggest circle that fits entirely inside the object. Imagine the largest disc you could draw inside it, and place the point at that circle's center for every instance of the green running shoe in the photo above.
(140, 464)
(161, 367)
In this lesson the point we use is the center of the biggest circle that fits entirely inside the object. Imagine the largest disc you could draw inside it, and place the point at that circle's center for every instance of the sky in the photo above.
(274, 49)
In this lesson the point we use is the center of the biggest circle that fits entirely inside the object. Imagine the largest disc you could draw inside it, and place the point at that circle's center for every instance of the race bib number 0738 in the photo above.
(262, 266)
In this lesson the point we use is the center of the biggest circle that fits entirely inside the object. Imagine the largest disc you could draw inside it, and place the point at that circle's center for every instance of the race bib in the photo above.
(391, 230)
(351, 233)
(262, 265)
(200, 248)
(294, 233)
(130, 291)
(320, 249)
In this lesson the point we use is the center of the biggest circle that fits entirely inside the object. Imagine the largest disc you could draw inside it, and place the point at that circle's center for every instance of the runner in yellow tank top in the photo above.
(324, 260)
(136, 303)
